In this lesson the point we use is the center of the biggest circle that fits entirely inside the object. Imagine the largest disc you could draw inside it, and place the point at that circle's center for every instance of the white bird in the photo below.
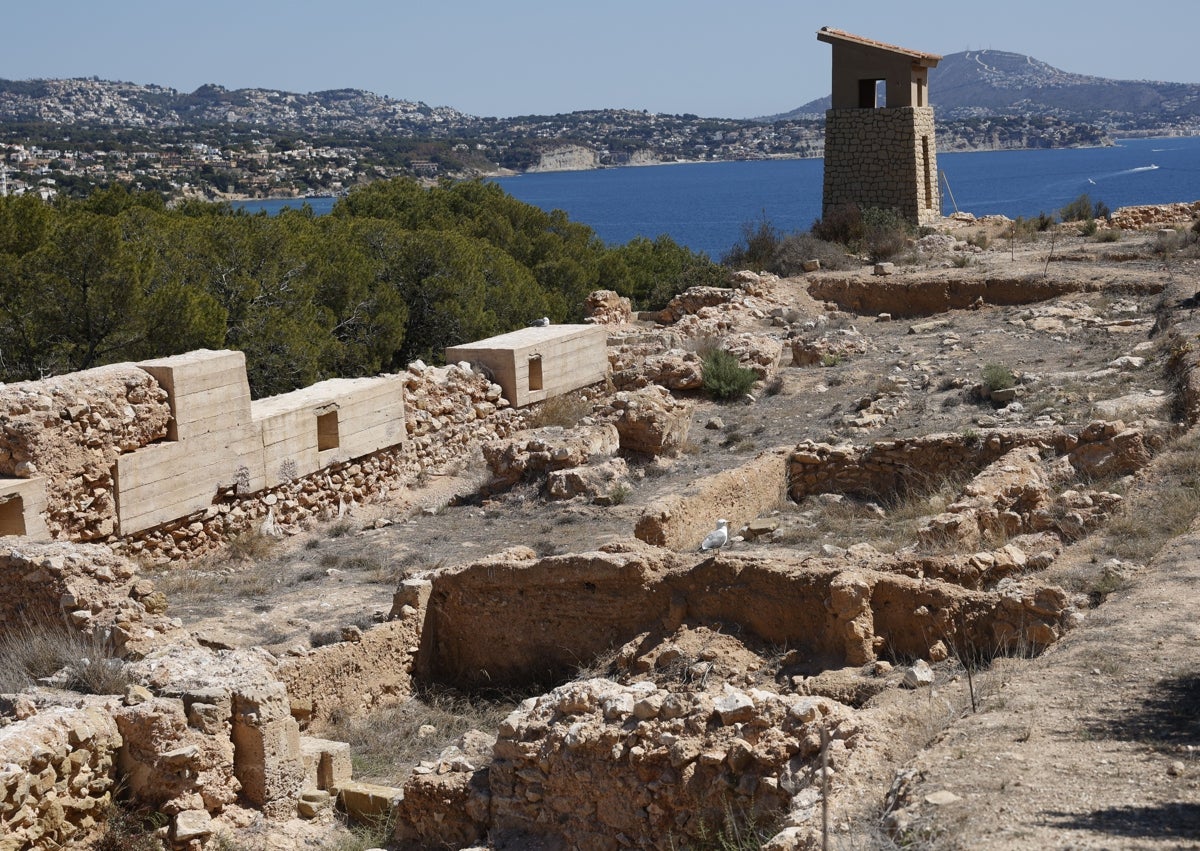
(540, 323)
(718, 537)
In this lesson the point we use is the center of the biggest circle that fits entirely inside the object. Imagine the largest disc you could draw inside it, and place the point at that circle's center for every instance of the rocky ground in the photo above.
(1092, 744)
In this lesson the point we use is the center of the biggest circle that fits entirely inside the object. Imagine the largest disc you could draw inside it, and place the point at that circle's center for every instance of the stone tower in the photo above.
(880, 155)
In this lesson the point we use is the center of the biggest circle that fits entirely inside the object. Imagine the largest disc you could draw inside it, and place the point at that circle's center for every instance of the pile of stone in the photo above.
(829, 348)
(605, 307)
(550, 450)
(56, 776)
(99, 593)
(648, 421)
(1154, 215)
(634, 760)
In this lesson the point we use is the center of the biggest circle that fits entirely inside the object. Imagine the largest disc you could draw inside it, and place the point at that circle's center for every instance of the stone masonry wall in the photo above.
(875, 158)
(70, 430)
(56, 777)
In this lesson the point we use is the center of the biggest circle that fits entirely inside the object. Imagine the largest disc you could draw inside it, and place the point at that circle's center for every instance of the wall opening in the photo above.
(327, 431)
(921, 93)
(868, 97)
(928, 175)
(12, 516)
(535, 372)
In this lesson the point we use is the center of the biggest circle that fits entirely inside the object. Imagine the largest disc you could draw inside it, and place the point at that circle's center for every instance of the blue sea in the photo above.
(705, 205)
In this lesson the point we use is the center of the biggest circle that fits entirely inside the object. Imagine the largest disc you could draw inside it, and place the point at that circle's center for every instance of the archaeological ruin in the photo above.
(464, 606)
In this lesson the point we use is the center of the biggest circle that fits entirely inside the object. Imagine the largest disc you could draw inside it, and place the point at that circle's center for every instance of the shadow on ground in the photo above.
(1169, 716)
(1167, 820)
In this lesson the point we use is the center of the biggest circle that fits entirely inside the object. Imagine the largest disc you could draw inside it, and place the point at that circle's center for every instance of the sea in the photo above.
(707, 206)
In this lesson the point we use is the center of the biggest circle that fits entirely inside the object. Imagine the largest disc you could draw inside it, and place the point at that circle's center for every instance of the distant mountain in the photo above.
(977, 83)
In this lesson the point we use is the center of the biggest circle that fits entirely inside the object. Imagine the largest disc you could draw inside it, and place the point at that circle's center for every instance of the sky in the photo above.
(728, 59)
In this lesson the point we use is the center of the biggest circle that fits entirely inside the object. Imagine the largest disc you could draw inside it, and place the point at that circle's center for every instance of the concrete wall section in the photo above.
(570, 357)
(23, 507)
(208, 391)
(219, 440)
(168, 480)
(332, 421)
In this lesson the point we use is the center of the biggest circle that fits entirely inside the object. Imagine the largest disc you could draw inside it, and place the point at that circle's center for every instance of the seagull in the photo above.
(540, 323)
(718, 537)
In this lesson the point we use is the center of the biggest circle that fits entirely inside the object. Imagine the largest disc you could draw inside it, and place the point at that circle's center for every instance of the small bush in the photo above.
(997, 376)
(886, 233)
(251, 546)
(979, 240)
(843, 225)
(1109, 235)
(797, 248)
(724, 378)
(1089, 227)
(962, 261)
(1078, 210)
(757, 249)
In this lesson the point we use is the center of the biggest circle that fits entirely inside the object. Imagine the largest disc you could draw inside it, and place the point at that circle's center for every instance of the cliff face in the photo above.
(567, 158)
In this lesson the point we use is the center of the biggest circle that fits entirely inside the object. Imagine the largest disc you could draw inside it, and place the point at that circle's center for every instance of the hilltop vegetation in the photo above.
(396, 273)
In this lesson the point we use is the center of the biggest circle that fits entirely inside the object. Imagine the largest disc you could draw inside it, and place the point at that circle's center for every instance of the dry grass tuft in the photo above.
(388, 742)
(82, 662)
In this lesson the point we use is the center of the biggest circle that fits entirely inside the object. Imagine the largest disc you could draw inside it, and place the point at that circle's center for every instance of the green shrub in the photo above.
(1109, 235)
(758, 246)
(843, 225)
(723, 377)
(997, 376)
(886, 233)
(1089, 227)
(1078, 210)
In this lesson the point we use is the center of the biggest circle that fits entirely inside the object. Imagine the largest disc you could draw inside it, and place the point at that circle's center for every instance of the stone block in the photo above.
(367, 801)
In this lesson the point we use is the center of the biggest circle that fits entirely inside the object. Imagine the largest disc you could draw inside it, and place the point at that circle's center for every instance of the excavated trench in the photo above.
(909, 299)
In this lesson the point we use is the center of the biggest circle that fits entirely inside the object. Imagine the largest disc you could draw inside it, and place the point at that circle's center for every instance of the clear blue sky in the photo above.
(718, 58)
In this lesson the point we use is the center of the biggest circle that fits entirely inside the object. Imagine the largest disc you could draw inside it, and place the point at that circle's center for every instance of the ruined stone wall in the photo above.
(56, 777)
(901, 465)
(681, 521)
(515, 619)
(884, 158)
(85, 586)
(1155, 215)
(907, 299)
(69, 431)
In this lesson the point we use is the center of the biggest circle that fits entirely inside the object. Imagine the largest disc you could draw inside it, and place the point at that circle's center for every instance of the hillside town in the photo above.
(69, 136)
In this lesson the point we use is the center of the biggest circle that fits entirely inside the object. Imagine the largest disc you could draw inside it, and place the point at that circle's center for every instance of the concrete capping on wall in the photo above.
(534, 364)
(223, 441)
(23, 508)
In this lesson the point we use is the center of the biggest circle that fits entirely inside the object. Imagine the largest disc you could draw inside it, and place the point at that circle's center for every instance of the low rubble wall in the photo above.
(56, 777)
(681, 521)
(908, 299)
(514, 619)
(65, 441)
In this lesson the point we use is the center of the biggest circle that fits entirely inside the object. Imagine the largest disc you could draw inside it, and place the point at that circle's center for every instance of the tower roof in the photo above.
(834, 36)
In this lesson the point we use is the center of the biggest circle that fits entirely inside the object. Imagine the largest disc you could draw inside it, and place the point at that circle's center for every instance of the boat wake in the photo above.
(1141, 168)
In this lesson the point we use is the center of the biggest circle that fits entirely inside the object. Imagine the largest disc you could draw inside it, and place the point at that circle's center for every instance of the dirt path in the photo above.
(1096, 744)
